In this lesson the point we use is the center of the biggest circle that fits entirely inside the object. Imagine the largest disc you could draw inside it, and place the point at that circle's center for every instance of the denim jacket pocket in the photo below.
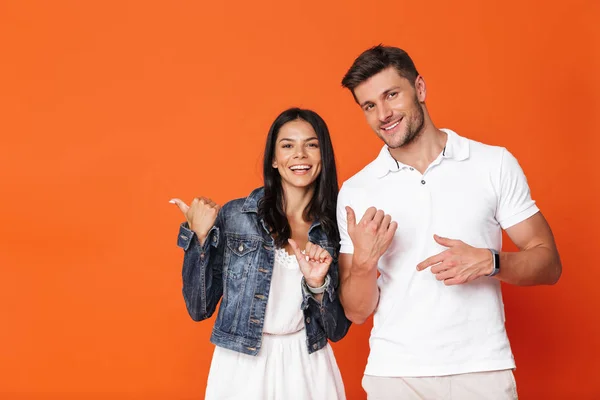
(240, 253)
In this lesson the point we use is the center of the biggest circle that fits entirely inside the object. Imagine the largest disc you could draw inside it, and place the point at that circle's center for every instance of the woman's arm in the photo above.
(201, 239)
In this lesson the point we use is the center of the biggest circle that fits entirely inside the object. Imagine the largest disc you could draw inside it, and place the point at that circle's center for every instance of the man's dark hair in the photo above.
(375, 60)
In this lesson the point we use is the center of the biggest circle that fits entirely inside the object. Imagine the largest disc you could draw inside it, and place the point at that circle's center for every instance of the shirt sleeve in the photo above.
(346, 245)
(515, 204)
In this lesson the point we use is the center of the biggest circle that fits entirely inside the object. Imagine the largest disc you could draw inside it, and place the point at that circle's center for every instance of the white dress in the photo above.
(283, 369)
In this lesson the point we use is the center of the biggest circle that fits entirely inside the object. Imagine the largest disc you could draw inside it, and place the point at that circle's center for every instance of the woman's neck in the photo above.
(296, 200)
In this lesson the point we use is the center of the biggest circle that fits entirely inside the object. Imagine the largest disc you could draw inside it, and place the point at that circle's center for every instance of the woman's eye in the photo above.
(392, 95)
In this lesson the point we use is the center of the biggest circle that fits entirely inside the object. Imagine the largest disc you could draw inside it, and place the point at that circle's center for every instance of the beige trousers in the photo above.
(493, 385)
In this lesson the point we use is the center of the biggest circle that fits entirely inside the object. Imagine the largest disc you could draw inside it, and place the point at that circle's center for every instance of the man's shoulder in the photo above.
(484, 148)
(484, 152)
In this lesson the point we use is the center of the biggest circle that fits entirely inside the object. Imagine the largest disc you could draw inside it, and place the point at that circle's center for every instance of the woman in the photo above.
(272, 256)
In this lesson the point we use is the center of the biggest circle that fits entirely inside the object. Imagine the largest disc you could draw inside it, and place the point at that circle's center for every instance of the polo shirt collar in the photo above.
(457, 148)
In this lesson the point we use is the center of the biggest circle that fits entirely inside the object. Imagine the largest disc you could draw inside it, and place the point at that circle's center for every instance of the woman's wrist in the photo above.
(317, 287)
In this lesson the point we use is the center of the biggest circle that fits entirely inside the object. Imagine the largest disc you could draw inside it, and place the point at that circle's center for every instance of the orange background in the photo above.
(109, 109)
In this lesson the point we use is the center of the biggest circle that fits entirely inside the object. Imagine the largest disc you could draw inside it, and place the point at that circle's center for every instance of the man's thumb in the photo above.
(350, 217)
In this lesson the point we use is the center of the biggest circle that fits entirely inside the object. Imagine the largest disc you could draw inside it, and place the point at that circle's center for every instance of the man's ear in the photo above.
(421, 89)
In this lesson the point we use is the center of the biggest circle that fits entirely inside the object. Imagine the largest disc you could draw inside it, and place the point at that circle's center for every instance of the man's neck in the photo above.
(423, 150)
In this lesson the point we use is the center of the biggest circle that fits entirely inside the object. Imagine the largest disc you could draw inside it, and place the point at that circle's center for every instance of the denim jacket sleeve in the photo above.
(202, 270)
(329, 312)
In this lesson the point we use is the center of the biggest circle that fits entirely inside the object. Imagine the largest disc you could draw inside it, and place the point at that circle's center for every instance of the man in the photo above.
(428, 214)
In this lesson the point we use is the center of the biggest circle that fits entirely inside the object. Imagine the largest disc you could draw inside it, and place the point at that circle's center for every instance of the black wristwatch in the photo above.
(496, 257)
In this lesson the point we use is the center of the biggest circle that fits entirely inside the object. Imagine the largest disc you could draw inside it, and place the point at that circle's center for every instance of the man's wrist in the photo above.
(494, 262)
(362, 266)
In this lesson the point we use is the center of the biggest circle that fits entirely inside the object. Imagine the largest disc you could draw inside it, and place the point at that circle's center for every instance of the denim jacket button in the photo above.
(315, 345)
(308, 320)
(202, 256)
(214, 239)
(241, 248)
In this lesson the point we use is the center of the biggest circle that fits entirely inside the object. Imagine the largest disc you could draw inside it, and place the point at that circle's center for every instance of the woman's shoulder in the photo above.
(248, 204)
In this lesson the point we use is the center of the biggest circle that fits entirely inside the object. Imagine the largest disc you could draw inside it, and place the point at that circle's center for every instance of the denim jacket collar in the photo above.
(251, 203)
(251, 206)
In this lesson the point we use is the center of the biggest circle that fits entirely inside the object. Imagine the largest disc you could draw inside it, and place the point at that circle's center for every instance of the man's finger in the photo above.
(438, 258)
(447, 274)
(391, 231)
(179, 203)
(378, 217)
(350, 217)
(445, 241)
(453, 281)
(368, 215)
(443, 266)
(385, 223)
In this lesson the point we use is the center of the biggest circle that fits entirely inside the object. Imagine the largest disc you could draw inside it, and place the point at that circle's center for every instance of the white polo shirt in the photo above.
(422, 327)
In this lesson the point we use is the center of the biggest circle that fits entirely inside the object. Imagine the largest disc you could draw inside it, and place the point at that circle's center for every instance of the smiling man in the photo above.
(421, 238)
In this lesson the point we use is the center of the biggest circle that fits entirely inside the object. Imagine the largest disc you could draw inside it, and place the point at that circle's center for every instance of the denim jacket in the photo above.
(236, 262)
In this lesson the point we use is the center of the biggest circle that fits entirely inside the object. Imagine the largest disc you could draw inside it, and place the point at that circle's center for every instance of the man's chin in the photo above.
(393, 142)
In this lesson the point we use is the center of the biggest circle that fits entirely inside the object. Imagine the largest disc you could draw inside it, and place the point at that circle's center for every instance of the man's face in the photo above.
(392, 106)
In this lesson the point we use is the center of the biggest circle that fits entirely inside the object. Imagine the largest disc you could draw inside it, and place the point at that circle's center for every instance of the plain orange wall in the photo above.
(109, 109)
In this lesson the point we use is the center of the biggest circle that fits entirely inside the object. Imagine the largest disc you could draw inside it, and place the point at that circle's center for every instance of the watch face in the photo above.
(496, 263)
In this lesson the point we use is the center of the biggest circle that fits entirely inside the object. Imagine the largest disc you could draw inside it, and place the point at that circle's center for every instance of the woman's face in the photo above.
(297, 154)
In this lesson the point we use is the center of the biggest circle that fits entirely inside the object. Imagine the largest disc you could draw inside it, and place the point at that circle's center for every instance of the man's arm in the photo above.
(359, 292)
(368, 240)
(537, 262)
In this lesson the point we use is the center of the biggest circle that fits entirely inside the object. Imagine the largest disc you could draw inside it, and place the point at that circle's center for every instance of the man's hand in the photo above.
(371, 237)
(460, 263)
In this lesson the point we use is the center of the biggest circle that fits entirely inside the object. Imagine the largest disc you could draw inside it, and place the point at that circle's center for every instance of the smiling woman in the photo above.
(297, 150)
(277, 309)
(299, 137)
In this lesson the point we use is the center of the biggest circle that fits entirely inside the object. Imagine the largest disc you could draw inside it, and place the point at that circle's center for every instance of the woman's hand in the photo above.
(314, 263)
(200, 215)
